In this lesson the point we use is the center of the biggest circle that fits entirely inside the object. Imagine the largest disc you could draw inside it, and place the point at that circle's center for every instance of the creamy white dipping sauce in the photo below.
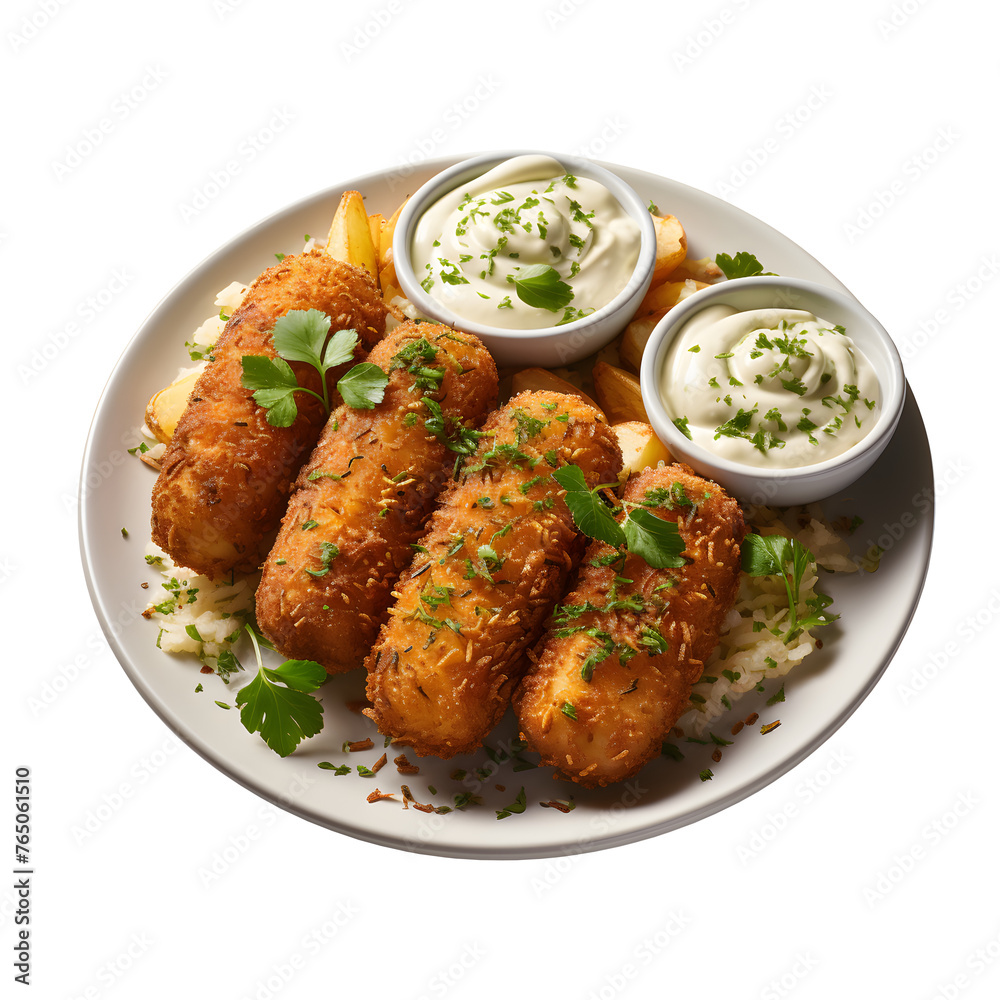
(526, 246)
(771, 388)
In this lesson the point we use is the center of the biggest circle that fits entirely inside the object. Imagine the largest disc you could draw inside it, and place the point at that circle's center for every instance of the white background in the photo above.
(864, 131)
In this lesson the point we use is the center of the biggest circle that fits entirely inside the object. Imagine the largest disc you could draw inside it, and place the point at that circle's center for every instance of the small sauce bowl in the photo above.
(548, 346)
(779, 486)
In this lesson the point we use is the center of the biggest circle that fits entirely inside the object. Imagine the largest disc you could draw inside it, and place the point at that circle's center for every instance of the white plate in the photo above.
(895, 500)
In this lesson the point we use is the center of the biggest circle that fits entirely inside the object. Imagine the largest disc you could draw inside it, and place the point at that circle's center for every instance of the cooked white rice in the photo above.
(749, 651)
(205, 337)
(203, 618)
(195, 614)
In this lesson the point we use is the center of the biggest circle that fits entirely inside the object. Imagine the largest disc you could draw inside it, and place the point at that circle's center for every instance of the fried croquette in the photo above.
(496, 557)
(226, 474)
(623, 649)
(365, 495)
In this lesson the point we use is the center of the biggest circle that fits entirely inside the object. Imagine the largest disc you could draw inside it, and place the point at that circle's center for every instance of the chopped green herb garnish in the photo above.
(327, 553)
(339, 769)
(517, 806)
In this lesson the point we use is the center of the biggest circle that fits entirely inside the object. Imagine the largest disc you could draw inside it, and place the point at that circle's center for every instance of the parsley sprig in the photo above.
(743, 265)
(655, 540)
(304, 335)
(279, 703)
(775, 555)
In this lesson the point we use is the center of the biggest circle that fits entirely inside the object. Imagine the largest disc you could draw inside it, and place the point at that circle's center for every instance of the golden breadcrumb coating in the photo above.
(606, 728)
(366, 493)
(226, 474)
(496, 557)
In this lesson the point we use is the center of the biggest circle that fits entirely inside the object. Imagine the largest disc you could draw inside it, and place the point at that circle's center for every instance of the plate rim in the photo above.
(371, 834)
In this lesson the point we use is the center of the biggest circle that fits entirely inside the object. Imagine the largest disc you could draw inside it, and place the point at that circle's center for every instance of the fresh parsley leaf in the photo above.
(274, 383)
(540, 286)
(363, 386)
(299, 335)
(795, 384)
(299, 675)
(653, 539)
(589, 511)
(278, 704)
(765, 555)
(775, 555)
(743, 265)
(657, 541)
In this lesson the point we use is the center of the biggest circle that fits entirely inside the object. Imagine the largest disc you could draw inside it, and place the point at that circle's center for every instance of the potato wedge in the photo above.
(375, 224)
(671, 246)
(165, 408)
(641, 448)
(542, 378)
(387, 274)
(385, 237)
(660, 298)
(704, 269)
(634, 339)
(390, 292)
(618, 394)
(350, 236)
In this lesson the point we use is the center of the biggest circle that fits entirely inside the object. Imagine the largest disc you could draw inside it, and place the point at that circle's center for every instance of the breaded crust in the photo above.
(225, 476)
(368, 489)
(605, 729)
(497, 554)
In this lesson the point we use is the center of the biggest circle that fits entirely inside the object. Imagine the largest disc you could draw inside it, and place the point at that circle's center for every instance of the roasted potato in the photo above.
(385, 236)
(165, 408)
(618, 394)
(671, 246)
(635, 337)
(641, 448)
(350, 238)
(660, 298)
(704, 269)
(375, 224)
